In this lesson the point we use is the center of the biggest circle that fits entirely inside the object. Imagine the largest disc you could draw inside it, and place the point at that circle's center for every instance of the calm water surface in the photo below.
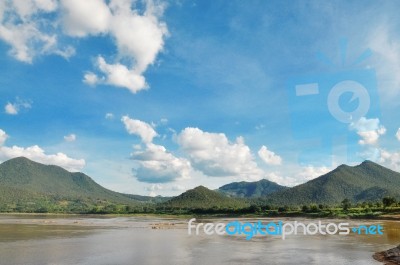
(131, 240)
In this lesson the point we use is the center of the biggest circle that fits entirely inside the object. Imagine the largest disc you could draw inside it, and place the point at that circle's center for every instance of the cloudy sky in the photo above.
(155, 97)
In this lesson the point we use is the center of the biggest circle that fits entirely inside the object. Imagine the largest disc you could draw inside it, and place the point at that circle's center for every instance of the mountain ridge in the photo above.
(352, 182)
(254, 189)
(52, 183)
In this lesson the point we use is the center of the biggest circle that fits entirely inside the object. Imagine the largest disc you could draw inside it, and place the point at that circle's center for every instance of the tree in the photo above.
(388, 201)
(305, 208)
(346, 204)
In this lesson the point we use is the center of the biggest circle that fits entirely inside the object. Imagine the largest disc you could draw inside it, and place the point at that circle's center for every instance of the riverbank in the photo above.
(389, 257)
(387, 217)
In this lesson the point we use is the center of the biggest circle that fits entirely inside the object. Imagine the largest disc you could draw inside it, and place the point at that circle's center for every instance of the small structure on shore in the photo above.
(390, 257)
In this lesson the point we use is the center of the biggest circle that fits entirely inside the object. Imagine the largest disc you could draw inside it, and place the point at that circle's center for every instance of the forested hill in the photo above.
(255, 189)
(365, 182)
(26, 182)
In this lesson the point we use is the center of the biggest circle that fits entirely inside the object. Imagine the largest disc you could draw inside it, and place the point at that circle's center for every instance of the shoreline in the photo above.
(209, 216)
(389, 257)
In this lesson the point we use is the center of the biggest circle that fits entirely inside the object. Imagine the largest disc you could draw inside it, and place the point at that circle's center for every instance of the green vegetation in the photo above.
(365, 182)
(251, 189)
(201, 198)
(27, 186)
(364, 191)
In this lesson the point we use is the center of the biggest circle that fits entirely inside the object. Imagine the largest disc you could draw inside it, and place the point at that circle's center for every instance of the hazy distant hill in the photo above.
(365, 182)
(256, 189)
(25, 181)
(203, 198)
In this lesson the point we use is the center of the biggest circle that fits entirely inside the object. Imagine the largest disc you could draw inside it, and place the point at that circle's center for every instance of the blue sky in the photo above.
(155, 97)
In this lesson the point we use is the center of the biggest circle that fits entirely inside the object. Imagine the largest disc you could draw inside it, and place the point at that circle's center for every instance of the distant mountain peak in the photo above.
(255, 189)
(201, 197)
(18, 159)
(367, 181)
(50, 181)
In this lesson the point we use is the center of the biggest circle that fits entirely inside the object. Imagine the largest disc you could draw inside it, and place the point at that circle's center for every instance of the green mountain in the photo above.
(142, 198)
(365, 182)
(29, 184)
(203, 198)
(256, 189)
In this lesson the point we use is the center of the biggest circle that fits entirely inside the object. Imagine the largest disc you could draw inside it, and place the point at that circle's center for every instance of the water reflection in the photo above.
(130, 240)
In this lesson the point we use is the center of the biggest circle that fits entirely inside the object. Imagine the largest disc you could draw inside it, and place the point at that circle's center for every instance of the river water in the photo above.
(26, 239)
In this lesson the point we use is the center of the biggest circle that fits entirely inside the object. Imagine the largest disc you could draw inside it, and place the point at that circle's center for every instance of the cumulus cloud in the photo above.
(3, 137)
(214, 155)
(26, 26)
(35, 27)
(282, 180)
(390, 159)
(368, 129)
(269, 157)
(70, 138)
(138, 36)
(142, 129)
(398, 134)
(156, 165)
(311, 172)
(117, 75)
(14, 108)
(37, 154)
(82, 18)
(298, 176)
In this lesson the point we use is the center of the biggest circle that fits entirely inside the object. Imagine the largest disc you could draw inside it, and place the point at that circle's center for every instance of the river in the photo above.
(49, 239)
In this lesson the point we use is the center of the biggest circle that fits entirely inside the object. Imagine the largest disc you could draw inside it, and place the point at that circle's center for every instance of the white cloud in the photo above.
(3, 137)
(153, 189)
(109, 116)
(311, 172)
(14, 108)
(156, 165)
(269, 157)
(32, 28)
(398, 134)
(70, 138)
(369, 130)
(117, 75)
(281, 180)
(37, 154)
(390, 159)
(91, 79)
(10, 109)
(214, 155)
(140, 128)
(139, 37)
(89, 17)
(25, 26)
